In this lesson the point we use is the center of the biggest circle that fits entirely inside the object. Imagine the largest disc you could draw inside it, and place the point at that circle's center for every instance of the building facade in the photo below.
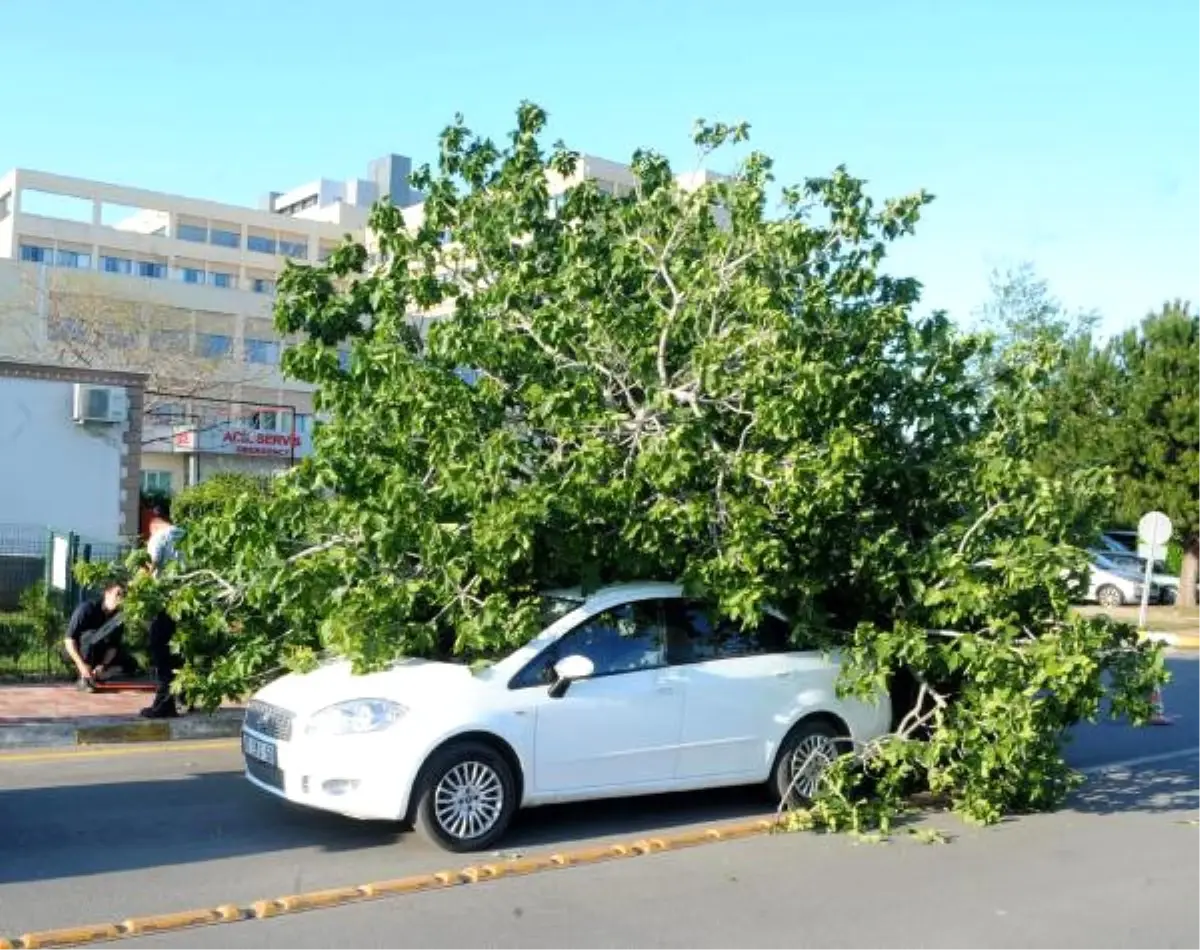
(111, 278)
(71, 443)
(115, 278)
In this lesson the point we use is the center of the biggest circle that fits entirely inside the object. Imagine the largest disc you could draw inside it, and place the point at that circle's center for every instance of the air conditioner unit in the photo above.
(107, 405)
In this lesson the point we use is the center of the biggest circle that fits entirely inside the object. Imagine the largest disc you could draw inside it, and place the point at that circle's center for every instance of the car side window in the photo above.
(622, 639)
(694, 634)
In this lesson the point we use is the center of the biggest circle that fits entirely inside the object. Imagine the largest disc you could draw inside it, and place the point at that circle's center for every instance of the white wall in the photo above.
(52, 471)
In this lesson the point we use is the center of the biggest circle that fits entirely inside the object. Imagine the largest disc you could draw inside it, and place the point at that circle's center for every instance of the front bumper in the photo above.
(366, 776)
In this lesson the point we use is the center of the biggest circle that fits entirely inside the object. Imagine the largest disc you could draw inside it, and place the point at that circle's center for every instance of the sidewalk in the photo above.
(1177, 627)
(60, 715)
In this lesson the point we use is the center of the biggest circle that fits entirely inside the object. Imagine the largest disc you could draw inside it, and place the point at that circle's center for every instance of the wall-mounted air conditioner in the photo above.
(107, 405)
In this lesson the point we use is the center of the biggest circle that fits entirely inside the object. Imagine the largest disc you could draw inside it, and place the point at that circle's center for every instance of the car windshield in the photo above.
(1133, 562)
(551, 607)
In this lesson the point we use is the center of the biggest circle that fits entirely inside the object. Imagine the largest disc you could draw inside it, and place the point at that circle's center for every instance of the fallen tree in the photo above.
(673, 384)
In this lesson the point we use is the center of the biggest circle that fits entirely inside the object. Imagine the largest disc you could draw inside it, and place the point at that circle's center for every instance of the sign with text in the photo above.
(231, 438)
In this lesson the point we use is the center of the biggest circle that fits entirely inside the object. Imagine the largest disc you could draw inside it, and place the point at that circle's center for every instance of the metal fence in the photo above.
(33, 612)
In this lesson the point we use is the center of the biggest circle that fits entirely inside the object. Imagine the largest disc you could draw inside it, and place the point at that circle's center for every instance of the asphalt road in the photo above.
(104, 837)
(1082, 878)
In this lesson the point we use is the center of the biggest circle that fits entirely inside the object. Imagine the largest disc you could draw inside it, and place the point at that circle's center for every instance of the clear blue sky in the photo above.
(1062, 132)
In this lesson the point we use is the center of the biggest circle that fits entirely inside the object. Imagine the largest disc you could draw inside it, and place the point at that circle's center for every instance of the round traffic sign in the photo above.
(1154, 528)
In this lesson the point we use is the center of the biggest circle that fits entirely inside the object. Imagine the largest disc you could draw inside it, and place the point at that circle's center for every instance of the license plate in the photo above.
(258, 749)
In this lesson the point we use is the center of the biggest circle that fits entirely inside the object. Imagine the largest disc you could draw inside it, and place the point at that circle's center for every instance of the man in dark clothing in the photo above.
(94, 640)
(161, 547)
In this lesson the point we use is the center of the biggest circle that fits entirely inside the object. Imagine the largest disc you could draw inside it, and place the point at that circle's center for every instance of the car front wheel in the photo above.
(466, 797)
(1109, 596)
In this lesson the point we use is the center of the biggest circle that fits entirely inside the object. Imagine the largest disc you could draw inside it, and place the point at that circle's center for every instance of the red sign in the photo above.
(253, 442)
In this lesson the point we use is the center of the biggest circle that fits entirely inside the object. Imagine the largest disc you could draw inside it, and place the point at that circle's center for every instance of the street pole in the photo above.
(1147, 577)
(1153, 529)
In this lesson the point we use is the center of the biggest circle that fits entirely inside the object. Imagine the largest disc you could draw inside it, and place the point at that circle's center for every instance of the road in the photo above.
(100, 837)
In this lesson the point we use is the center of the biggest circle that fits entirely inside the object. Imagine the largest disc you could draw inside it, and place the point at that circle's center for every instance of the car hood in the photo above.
(410, 682)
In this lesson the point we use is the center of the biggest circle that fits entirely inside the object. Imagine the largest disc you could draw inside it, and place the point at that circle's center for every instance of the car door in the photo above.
(621, 726)
(742, 690)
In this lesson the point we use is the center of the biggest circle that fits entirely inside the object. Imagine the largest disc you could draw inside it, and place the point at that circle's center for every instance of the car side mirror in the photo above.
(567, 671)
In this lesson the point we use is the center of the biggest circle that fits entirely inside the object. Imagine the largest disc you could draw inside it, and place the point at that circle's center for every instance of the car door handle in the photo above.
(666, 687)
(783, 674)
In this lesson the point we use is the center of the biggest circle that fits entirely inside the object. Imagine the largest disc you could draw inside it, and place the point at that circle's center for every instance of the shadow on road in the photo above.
(68, 831)
(1154, 789)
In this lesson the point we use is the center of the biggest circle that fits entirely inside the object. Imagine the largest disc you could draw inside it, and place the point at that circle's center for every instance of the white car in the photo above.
(629, 691)
(1134, 565)
(1110, 587)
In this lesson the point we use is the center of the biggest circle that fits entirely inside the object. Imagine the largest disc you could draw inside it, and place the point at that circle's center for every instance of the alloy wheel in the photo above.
(469, 800)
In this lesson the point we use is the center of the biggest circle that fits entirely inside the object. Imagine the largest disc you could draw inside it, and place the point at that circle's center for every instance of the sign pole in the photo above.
(1154, 529)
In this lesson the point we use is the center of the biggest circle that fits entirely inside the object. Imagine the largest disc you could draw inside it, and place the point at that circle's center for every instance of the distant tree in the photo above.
(1130, 405)
(1154, 426)
(1022, 306)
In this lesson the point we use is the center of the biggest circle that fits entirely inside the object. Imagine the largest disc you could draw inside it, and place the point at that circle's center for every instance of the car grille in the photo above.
(268, 720)
(267, 774)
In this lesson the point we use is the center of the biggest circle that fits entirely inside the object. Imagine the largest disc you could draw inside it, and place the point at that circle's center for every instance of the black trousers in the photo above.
(124, 660)
(162, 629)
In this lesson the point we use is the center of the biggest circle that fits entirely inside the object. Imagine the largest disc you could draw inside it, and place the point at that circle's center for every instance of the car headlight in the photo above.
(354, 716)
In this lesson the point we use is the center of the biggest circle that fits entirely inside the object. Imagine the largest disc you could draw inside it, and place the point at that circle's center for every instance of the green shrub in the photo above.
(215, 494)
(46, 618)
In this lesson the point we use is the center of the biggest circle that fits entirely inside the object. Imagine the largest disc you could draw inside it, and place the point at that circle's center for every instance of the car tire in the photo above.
(1168, 596)
(1109, 596)
(811, 737)
(466, 797)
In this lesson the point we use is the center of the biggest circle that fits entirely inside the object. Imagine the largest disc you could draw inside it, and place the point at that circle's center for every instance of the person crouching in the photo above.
(95, 638)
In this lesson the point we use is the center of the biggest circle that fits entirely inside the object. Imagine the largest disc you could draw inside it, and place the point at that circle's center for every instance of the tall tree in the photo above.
(1022, 307)
(1155, 426)
(679, 385)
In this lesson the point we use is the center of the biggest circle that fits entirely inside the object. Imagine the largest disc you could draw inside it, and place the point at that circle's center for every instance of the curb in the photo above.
(223, 724)
(1177, 641)
(378, 890)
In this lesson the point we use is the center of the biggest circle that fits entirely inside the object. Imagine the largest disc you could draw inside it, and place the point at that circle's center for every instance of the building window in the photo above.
(76, 259)
(262, 351)
(224, 238)
(218, 279)
(273, 420)
(156, 482)
(36, 254)
(301, 205)
(293, 248)
(263, 245)
(214, 346)
(192, 232)
(264, 286)
(170, 341)
(116, 265)
(151, 269)
(303, 424)
(193, 275)
(65, 328)
(167, 413)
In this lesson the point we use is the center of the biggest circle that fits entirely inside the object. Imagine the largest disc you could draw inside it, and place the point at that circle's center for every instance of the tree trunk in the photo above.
(1188, 573)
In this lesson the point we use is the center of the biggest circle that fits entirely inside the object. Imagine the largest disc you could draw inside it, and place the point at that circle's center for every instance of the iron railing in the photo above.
(33, 612)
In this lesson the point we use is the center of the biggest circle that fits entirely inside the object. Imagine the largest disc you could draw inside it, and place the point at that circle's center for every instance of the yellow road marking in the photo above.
(97, 752)
(414, 884)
